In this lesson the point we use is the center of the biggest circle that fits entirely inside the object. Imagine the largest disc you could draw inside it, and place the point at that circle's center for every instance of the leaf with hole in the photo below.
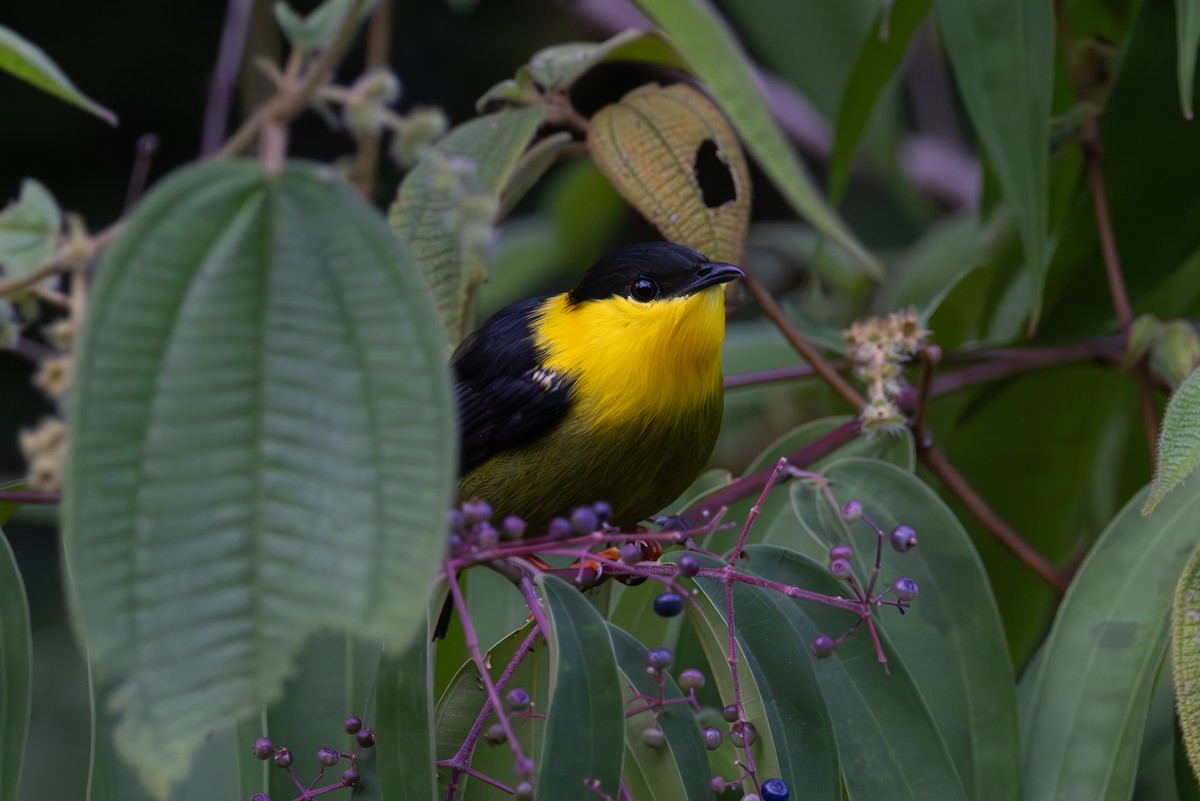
(262, 446)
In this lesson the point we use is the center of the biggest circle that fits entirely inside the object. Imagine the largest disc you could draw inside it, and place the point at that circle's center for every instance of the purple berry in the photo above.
(523, 767)
(659, 659)
(688, 566)
(284, 758)
(743, 733)
(454, 521)
(495, 734)
(852, 512)
(350, 777)
(366, 738)
(668, 604)
(822, 646)
(584, 520)
(518, 699)
(476, 511)
(712, 737)
(631, 553)
(328, 756)
(486, 535)
(262, 748)
(730, 713)
(603, 511)
(717, 784)
(653, 736)
(840, 552)
(775, 790)
(903, 538)
(691, 679)
(559, 528)
(523, 792)
(513, 528)
(260, 797)
(840, 568)
(905, 588)
(353, 725)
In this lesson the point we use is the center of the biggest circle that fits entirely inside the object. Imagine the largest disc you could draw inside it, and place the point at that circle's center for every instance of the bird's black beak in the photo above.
(711, 274)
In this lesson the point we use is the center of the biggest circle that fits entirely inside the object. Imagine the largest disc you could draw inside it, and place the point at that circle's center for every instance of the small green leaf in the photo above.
(1002, 55)
(16, 672)
(585, 722)
(532, 165)
(880, 54)
(29, 230)
(679, 770)
(467, 169)
(262, 446)
(557, 68)
(28, 62)
(315, 30)
(1185, 640)
(1179, 443)
(1187, 40)
(715, 56)
(1084, 715)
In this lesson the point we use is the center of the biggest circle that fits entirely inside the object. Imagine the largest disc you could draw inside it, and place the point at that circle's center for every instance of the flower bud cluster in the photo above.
(879, 347)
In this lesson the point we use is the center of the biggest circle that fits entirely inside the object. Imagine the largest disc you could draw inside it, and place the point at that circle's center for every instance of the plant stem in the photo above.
(229, 59)
(379, 40)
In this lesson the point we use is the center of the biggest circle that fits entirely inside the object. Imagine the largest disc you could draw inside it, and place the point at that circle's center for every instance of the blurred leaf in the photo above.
(7, 508)
(27, 61)
(1187, 39)
(475, 160)
(1002, 56)
(951, 640)
(1084, 716)
(1156, 770)
(672, 155)
(262, 445)
(336, 676)
(316, 30)
(1185, 631)
(881, 53)
(784, 702)
(925, 274)
(677, 771)
(717, 59)
(586, 717)
(16, 672)
(1179, 442)
(29, 230)
(532, 165)
(557, 68)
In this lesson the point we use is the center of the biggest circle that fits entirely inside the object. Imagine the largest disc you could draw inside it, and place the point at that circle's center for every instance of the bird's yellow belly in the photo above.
(637, 464)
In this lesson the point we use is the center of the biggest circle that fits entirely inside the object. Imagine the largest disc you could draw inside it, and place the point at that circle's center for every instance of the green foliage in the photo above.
(29, 230)
(16, 672)
(27, 61)
(1185, 628)
(1179, 446)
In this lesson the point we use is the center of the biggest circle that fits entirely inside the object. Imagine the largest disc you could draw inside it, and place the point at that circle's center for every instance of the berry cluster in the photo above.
(327, 757)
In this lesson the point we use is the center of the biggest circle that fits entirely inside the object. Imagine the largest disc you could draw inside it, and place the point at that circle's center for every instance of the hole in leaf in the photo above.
(713, 176)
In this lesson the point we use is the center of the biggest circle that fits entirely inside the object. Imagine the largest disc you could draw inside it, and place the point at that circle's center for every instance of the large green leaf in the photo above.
(404, 730)
(585, 722)
(679, 769)
(469, 166)
(28, 62)
(877, 60)
(16, 672)
(1002, 55)
(1179, 442)
(1185, 628)
(262, 445)
(1083, 716)
(1187, 39)
(715, 56)
(951, 640)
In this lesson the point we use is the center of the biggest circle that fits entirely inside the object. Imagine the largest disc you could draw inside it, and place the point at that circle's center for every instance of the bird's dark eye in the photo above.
(644, 289)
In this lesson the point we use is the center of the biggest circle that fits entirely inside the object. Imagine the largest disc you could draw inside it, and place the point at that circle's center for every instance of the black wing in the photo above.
(504, 397)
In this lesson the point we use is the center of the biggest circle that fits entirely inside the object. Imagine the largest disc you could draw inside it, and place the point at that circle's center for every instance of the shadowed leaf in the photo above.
(1187, 39)
(16, 672)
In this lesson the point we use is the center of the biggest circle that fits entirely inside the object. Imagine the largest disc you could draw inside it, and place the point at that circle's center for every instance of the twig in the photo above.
(29, 496)
(379, 35)
(940, 466)
(147, 147)
(810, 354)
(67, 258)
(229, 60)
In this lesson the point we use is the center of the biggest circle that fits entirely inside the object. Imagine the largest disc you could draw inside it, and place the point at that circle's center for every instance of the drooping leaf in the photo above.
(678, 770)
(881, 53)
(1083, 717)
(316, 29)
(532, 165)
(29, 230)
(1179, 442)
(715, 57)
(671, 154)
(1185, 629)
(16, 672)
(262, 445)
(557, 68)
(470, 165)
(585, 721)
(27, 61)
(1187, 40)
(1001, 54)
(951, 640)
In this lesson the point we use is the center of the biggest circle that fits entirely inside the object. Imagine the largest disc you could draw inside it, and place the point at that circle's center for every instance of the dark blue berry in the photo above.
(668, 604)
(584, 520)
(688, 566)
(775, 790)
(659, 658)
(603, 511)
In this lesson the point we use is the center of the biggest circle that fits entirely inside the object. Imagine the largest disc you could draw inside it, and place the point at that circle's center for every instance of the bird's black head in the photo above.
(651, 271)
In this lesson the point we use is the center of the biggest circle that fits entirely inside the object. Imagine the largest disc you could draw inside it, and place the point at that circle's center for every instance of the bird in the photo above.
(610, 392)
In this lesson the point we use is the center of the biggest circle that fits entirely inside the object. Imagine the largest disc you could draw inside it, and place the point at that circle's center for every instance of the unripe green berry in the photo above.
(262, 748)
(822, 646)
(366, 738)
(328, 756)
(495, 734)
(691, 679)
(350, 777)
(518, 699)
(283, 758)
(730, 713)
(743, 733)
(584, 520)
(688, 565)
(659, 658)
(852, 512)
(905, 588)
(523, 792)
(353, 725)
(712, 737)
(653, 736)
